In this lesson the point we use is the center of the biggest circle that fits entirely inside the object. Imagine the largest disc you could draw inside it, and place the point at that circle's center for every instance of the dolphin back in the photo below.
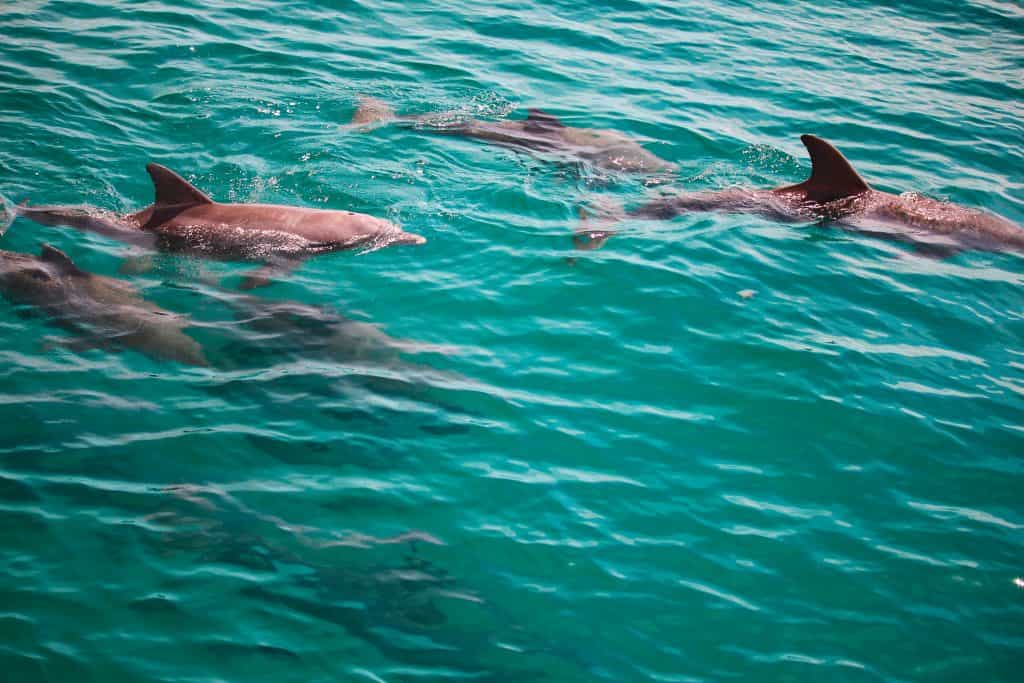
(372, 110)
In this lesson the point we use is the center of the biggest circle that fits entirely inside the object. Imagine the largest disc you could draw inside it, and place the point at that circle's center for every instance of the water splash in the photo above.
(8, 213)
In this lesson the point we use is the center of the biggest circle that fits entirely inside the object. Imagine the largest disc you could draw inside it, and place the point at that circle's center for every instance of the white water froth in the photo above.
(7, 214)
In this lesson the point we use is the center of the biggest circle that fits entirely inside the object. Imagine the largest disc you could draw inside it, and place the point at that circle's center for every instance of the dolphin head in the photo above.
(28, 279)
(375, 233)
(630, 157)
(615, 151)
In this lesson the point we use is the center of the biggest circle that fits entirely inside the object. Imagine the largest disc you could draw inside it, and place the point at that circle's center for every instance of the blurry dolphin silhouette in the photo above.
(106, 310)
(353, 581)
(538, 132)
(836, 194)
(182, 218)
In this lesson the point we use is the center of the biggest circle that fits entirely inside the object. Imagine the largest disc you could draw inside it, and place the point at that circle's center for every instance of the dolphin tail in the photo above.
(372, 110)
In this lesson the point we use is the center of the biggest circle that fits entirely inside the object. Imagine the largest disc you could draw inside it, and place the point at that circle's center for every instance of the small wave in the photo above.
(7, 214)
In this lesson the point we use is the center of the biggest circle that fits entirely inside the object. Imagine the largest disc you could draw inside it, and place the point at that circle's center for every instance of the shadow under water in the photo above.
(278, 352)
(406, 607)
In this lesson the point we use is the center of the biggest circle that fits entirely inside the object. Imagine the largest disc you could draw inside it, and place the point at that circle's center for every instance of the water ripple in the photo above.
(494, 457)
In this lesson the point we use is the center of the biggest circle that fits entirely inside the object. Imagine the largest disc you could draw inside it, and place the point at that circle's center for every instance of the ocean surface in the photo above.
(492, 457)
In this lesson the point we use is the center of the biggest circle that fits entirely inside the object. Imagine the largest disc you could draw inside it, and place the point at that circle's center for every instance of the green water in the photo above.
(617, 468)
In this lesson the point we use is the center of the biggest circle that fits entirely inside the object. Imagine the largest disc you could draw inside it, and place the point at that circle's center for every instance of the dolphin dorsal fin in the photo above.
(174, 194)
(55, 256)
(173, 190)
(541, 117)
(832, 176)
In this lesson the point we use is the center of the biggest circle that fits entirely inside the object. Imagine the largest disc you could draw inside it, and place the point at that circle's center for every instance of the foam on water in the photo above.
(7, 214)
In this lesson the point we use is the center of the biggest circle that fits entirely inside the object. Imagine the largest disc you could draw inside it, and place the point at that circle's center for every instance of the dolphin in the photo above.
(384, 591)
(275, 328)
(184, 219)
(312, 328)
(836, 194)
(107, 311)
(539, 132)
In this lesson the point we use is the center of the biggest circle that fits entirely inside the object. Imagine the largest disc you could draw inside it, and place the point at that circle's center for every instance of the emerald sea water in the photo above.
(718, 448)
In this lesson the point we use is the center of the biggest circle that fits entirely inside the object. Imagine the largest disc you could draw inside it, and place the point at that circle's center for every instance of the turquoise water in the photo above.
(602, 465)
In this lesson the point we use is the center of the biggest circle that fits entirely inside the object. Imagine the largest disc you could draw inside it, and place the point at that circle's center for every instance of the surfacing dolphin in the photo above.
(184, 219)
(105, 311)
(538, 132)
(836, 194)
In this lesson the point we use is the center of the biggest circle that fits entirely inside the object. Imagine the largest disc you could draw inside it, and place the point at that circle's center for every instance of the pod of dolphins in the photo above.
(182, 218)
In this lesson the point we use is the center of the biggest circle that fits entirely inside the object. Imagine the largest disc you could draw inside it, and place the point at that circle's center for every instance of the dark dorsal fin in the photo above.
(832, 176)
(173, 190)
(541, 117)
(56, 257)
(174, 194)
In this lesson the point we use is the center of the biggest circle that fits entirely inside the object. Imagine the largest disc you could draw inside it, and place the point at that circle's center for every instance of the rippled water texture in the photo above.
(490, 457)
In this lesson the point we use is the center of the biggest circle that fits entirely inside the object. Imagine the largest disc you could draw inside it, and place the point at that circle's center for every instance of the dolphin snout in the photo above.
(410, 238)
(588, 240)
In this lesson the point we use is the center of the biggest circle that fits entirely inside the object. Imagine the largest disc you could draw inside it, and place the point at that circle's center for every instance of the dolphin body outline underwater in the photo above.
(102, 311)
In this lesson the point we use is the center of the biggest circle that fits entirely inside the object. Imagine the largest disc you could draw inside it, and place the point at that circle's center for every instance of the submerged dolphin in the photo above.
(538, 132)
(280, 328)
(309, 328)
(385, 591)
(835, 193)
(182, 218)
(108, 311)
